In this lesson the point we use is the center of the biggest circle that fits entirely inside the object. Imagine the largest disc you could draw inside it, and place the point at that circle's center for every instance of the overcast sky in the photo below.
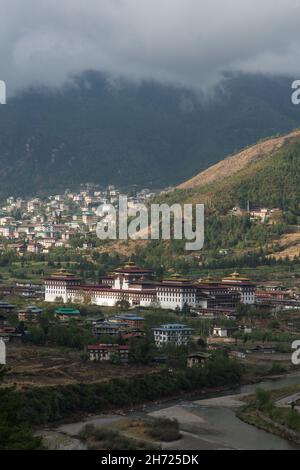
(190, 42)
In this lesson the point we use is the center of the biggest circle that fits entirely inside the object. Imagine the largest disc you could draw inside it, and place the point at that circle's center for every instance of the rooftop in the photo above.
(67, 311)
(130, 316)
(236, 277)
(200, 355)
(107, 346)
(173, 326)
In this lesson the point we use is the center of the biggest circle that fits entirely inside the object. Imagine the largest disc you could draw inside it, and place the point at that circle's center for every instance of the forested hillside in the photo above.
(148, 134)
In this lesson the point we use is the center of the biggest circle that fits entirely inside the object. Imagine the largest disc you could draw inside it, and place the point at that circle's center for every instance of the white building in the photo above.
(58, 285)
(259, 214)
(243, 285)
(220, 331)
(177, 334)
(223, 331)
(176, 292)
(136, 286)
(127, 283)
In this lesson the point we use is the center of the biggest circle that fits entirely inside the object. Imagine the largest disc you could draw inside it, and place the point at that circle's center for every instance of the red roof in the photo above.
(133, 335)
(61, 278)
(133, 269)
(7, 329)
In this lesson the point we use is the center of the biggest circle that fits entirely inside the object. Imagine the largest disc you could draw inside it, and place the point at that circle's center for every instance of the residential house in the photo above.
(223, 331)
(197, 358)
(30, 313)
(103, 327)
(108, 352)
(133, 321)
(66, 313)
(177, 334)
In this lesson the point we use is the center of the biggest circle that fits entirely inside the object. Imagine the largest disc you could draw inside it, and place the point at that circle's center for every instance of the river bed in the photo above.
(205, 424)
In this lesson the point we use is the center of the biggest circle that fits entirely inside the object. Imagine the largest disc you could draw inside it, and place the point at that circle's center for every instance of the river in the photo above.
(205, 424)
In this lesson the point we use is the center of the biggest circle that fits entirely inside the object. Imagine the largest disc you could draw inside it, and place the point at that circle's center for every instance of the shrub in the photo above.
(164, 429)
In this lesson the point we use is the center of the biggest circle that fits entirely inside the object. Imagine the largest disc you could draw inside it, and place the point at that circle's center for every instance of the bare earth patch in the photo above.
(290, 246)
(178, 412)
(50, 366)
(235, 163)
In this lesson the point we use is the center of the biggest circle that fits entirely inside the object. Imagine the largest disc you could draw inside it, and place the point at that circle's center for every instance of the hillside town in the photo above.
(35, 225)
(129, 302)
(75, 309)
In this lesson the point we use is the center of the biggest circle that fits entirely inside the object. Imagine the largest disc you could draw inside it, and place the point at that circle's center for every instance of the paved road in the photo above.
(287, 401)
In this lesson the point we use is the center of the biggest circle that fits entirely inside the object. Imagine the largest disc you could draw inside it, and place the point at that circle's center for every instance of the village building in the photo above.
(7, 231)
(259, 214)
(7, 220)
(237, 354)
(197, 359)
(220, 331)
(20, 248)
(269, 293)
(10, 334)
(30, 313)
(102, 328)
(133, 334)
(177, 334)
(47, 242)
(108, 352)
(224, 331)
(66, 313)
(131, 320)
(247, 330)
(35, 247)
(6, 307)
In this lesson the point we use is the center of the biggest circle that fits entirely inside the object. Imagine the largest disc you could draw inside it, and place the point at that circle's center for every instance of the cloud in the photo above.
(187, 42)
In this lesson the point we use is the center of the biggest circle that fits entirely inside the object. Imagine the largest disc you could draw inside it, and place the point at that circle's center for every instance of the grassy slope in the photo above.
(272, 182)
(233, 164)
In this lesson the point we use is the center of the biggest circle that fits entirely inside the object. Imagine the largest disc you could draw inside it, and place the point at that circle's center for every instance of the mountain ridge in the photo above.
(146, 134)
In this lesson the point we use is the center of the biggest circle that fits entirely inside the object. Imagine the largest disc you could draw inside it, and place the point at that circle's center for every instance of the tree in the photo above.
(37, 335)
(140, 351)
(263, 399)
(186, 309)
(123, 304)
(3, 372)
